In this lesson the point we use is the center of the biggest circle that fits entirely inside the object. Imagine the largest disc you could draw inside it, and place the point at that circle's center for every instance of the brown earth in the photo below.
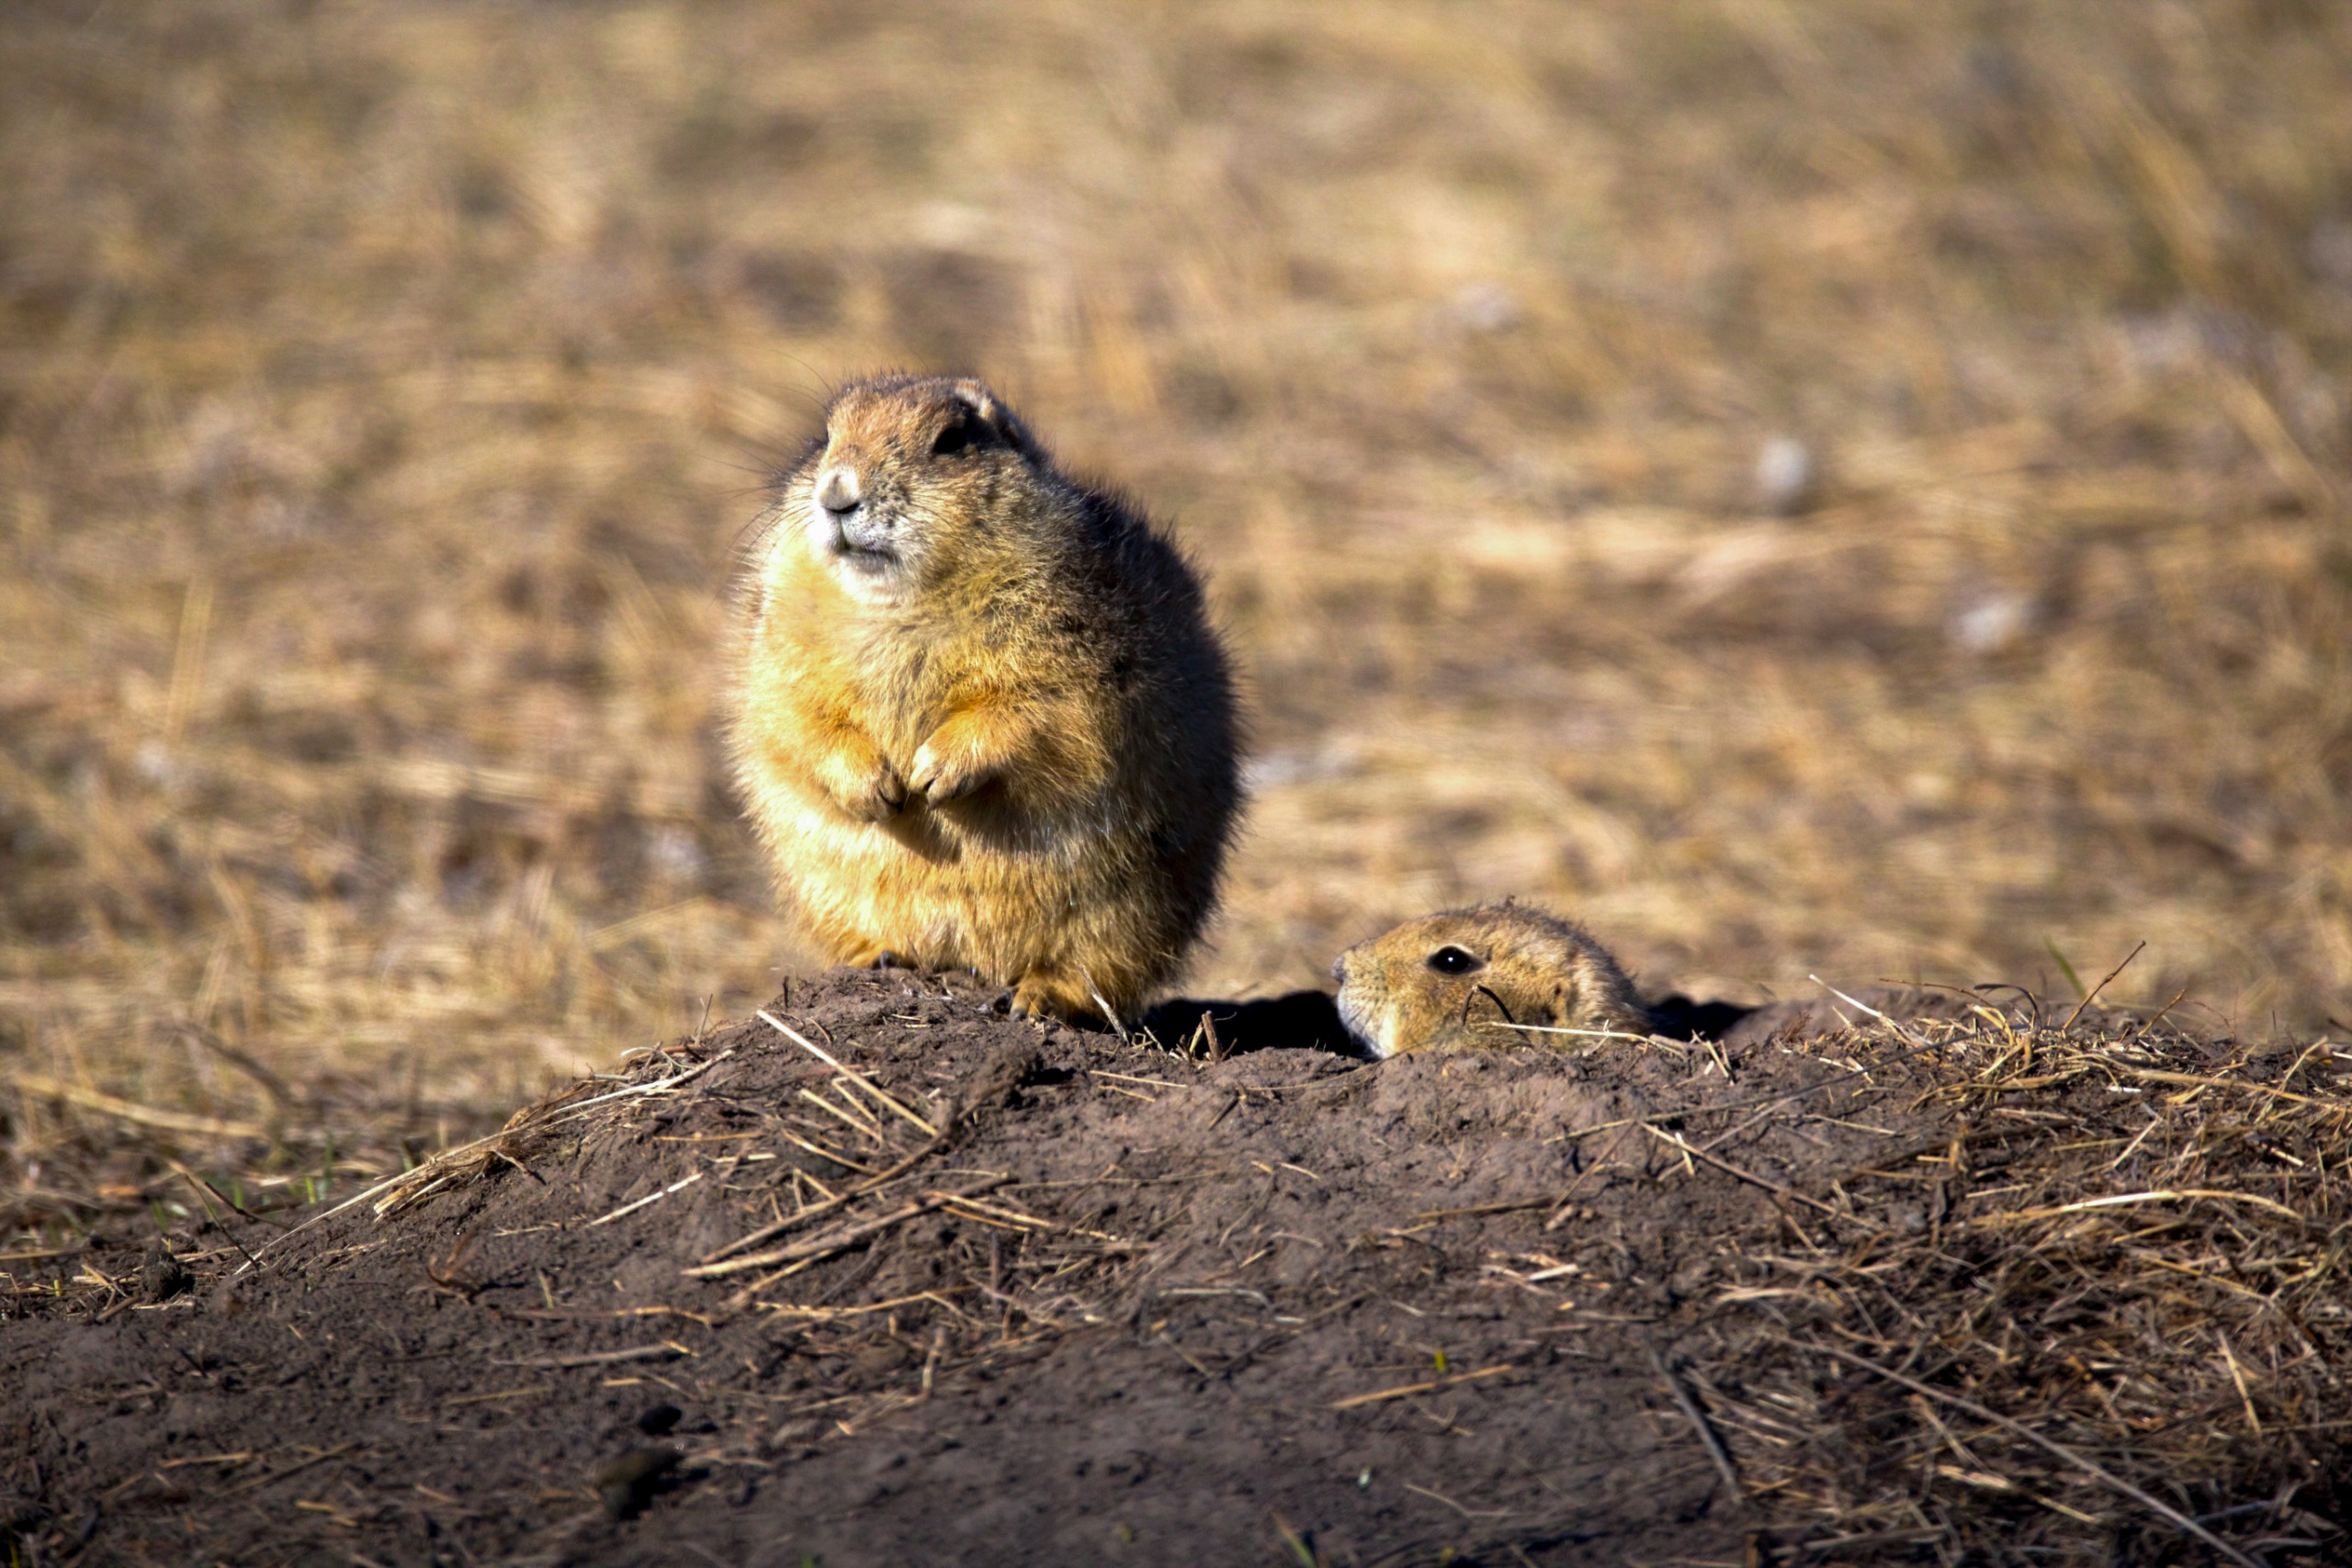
(1088, 1301)
(383, 390)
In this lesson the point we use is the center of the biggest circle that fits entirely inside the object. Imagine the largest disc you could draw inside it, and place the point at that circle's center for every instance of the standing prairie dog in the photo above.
(978, 714)
(1484, 978)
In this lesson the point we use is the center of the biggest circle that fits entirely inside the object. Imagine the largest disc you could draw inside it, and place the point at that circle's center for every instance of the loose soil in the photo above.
(1027, 1294)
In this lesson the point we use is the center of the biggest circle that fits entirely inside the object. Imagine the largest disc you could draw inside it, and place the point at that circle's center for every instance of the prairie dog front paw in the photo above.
(890, 792)
(866, 787)
(942, 773)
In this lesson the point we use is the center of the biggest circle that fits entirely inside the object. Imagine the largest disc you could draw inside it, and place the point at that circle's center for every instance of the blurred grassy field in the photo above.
(383, 387)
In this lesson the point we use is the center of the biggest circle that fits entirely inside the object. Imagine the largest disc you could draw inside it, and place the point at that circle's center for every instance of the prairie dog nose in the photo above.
(1339, 969)
(839, 491)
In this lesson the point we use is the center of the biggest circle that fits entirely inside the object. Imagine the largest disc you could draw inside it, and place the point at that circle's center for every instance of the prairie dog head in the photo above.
(908, 468)
(1484, 978)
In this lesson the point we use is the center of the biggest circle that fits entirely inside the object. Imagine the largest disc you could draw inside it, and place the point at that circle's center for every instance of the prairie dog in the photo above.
(978, 713)
(1463, 978)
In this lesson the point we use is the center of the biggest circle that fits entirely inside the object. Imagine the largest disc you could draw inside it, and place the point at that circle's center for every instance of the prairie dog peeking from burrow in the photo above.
(1483, 978)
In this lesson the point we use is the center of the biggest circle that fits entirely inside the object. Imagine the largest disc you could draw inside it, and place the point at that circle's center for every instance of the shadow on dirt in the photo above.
(1310, 1020)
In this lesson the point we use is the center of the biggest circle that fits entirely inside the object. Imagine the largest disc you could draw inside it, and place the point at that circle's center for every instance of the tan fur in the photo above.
(1516, 967)
(979, 716)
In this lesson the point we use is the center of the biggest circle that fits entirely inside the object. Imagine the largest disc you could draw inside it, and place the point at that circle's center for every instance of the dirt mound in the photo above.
(880, 1277)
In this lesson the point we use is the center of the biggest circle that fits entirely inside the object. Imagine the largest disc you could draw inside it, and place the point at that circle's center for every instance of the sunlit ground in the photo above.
(382, 388)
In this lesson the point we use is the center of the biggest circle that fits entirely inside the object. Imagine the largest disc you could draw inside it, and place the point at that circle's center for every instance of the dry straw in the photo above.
(371, 457)
(2123, 1293)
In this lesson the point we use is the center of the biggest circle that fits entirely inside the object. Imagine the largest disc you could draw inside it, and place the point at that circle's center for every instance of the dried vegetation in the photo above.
(382, 392)
(2100, 1314)
(1857, 488)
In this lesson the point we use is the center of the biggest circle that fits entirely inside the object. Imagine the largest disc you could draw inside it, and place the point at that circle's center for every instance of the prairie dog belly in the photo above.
(931, 892)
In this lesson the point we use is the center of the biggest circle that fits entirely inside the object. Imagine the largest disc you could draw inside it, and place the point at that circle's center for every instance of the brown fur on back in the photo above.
(1005, 737)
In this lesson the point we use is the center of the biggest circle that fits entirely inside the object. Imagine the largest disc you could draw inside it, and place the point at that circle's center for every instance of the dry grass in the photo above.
(381, 389)
(2089, 1326)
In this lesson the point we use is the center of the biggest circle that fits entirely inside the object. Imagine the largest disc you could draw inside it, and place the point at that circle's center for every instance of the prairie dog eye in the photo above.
(1455, 961)
(952, 440)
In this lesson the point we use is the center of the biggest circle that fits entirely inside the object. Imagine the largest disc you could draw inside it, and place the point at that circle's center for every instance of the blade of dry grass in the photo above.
(2163, 1510)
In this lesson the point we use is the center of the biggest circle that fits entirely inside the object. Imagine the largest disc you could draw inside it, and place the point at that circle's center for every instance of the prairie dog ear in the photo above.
(989, 416)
